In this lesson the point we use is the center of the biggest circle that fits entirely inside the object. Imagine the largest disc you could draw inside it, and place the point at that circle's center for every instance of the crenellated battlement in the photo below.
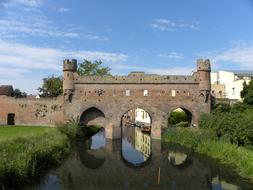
(137, 79)
(204, 65)
(70, 65)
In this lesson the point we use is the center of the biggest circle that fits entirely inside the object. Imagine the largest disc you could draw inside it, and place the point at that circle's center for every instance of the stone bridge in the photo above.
(106, 99)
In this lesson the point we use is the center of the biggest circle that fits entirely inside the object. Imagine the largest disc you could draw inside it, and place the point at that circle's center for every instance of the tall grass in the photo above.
(25, 158)
(205, 142)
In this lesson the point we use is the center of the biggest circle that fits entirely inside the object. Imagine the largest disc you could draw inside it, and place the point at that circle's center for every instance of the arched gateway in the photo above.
(111, 96)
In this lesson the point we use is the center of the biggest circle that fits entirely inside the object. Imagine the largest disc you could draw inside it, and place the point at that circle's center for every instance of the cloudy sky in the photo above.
(155, 36)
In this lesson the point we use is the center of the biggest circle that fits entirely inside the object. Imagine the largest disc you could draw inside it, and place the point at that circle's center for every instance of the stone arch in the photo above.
(189, 112)
(87, 106)
(136, 125)
(92, 116)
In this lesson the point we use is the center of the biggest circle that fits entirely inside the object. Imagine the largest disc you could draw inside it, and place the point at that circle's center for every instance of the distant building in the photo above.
(143, 143)
(229, 84)
(6, 90)
(142, 116)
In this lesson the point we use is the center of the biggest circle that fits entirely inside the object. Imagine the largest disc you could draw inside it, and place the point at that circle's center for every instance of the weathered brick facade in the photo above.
(41, 112)
(115, 95)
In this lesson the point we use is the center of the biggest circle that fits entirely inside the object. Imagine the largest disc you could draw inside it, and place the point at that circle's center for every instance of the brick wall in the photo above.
(31, 111)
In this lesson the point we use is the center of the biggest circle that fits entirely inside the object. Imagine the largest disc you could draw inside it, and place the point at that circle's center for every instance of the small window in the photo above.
(173, 93)
(145, 93)
(128, 93)
(233, 91)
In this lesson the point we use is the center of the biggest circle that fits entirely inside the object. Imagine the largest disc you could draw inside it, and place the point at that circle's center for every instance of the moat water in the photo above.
(136, 162)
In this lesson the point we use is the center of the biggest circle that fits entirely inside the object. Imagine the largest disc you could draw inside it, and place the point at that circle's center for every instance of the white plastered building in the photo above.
(233, 82)
(142, 116)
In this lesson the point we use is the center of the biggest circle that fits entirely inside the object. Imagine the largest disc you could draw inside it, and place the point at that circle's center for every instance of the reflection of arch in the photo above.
(92, 159)
(179, 160)
(137, 136)
(187, 111)
(131, 165)
(92, 116)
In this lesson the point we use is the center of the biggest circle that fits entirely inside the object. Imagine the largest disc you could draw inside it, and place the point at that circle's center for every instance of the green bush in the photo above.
(71, 128)
(177, 117)
(235, 125)
(182, 124)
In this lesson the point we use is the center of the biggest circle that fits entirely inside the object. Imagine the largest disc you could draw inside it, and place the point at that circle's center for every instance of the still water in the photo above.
(136, 162)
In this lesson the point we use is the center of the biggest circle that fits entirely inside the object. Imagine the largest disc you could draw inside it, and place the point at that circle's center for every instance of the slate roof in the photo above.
(6, 90)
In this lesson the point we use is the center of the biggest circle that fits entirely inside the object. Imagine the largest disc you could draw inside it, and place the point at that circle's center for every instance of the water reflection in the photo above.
(218, 184)
(136, 138)
(177, 158)
(92, 149)
(137, 149)
(96, 163)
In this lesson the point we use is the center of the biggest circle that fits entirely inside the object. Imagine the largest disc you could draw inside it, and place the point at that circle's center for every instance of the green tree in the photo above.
(89, 68)
(247, 93)
(52, 87)
(18, 94)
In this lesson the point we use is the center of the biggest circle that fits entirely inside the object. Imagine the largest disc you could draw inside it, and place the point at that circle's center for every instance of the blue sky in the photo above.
(155, 36)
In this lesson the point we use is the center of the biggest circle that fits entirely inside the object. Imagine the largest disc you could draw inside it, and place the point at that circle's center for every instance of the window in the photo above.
(220, 92)
(233, 91)
(173, 93)
(145, 93)
(127, 92)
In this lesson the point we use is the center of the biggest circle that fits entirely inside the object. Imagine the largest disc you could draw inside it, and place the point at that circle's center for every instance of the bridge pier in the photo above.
(112, 130)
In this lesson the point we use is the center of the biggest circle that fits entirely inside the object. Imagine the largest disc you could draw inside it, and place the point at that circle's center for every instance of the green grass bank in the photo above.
(27, 152)
(204, 141)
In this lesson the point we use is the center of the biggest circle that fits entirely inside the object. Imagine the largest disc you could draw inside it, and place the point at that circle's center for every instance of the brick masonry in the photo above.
(107, 95)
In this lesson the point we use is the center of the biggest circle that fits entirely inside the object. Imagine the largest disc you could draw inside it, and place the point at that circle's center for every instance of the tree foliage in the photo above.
(234, 125)
(89, 68)
(247, 93)
(18, 94)
(52, 87)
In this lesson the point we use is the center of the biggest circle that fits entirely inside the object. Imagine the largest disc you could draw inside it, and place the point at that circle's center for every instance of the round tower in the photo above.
(69, 68)
(204, 70)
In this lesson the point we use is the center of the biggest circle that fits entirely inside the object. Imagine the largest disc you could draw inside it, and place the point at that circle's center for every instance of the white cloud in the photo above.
(95, 37)
(63, 10)
(169, 25)
(171, 55)
(18, 61)
(30, 3)
(29, 57)
(32, 23)
(240, 56)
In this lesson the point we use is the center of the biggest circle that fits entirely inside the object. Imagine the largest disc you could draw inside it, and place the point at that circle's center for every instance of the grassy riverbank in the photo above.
(26, 152)
(205, 142)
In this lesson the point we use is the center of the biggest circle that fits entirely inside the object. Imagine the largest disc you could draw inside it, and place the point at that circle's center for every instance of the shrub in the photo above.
(177, 117)
(71, 128)
(235, 125)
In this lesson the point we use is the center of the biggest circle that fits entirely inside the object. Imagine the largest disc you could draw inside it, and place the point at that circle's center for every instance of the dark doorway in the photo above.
(11, 119)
